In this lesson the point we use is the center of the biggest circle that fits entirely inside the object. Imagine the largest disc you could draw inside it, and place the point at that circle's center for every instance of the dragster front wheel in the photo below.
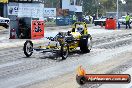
(28, 48)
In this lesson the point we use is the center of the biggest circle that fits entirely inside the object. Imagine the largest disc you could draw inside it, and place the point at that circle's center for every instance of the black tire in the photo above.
(95, 24)
(81, 80)
(86, 43)
(28, 49)
(64, 51)
(5, 26)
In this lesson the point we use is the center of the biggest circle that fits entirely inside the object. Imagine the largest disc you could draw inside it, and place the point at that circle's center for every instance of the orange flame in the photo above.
(81, 71)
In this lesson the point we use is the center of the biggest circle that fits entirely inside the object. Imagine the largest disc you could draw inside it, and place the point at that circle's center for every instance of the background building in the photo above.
(3, 3)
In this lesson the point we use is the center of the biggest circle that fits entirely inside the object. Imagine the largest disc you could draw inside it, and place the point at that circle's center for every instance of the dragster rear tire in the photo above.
(86, 43)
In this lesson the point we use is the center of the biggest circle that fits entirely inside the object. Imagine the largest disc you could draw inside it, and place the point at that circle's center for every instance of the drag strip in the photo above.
(18, 71)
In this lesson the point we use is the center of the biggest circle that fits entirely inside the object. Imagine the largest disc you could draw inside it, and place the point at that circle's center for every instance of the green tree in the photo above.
(89, 7)
(128, 6)
(103, 6)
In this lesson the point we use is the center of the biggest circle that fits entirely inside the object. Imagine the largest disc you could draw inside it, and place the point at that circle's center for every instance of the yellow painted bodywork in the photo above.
(74, 26)
(76, 35)
(3, 1)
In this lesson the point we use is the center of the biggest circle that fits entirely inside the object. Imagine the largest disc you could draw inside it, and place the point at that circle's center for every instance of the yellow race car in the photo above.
(66, 42)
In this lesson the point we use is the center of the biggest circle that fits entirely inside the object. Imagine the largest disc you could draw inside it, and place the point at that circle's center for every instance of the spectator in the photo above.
(80, 18)
(90, 19)
(94, 17)
(128, 21)
(74, 19)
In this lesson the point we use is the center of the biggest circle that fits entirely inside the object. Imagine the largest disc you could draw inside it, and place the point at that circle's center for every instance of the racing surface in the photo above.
(111, 53)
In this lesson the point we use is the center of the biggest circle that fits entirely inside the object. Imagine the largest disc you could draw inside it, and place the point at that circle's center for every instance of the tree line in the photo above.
(91, 7)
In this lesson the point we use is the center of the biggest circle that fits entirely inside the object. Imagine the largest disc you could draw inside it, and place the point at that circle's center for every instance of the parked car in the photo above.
(123, 21)
(100, 21)
(4, 22)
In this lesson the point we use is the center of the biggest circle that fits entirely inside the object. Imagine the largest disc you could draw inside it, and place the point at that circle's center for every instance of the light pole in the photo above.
(117, 13)
(52, 4)
(98, 10)
(97, 13)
